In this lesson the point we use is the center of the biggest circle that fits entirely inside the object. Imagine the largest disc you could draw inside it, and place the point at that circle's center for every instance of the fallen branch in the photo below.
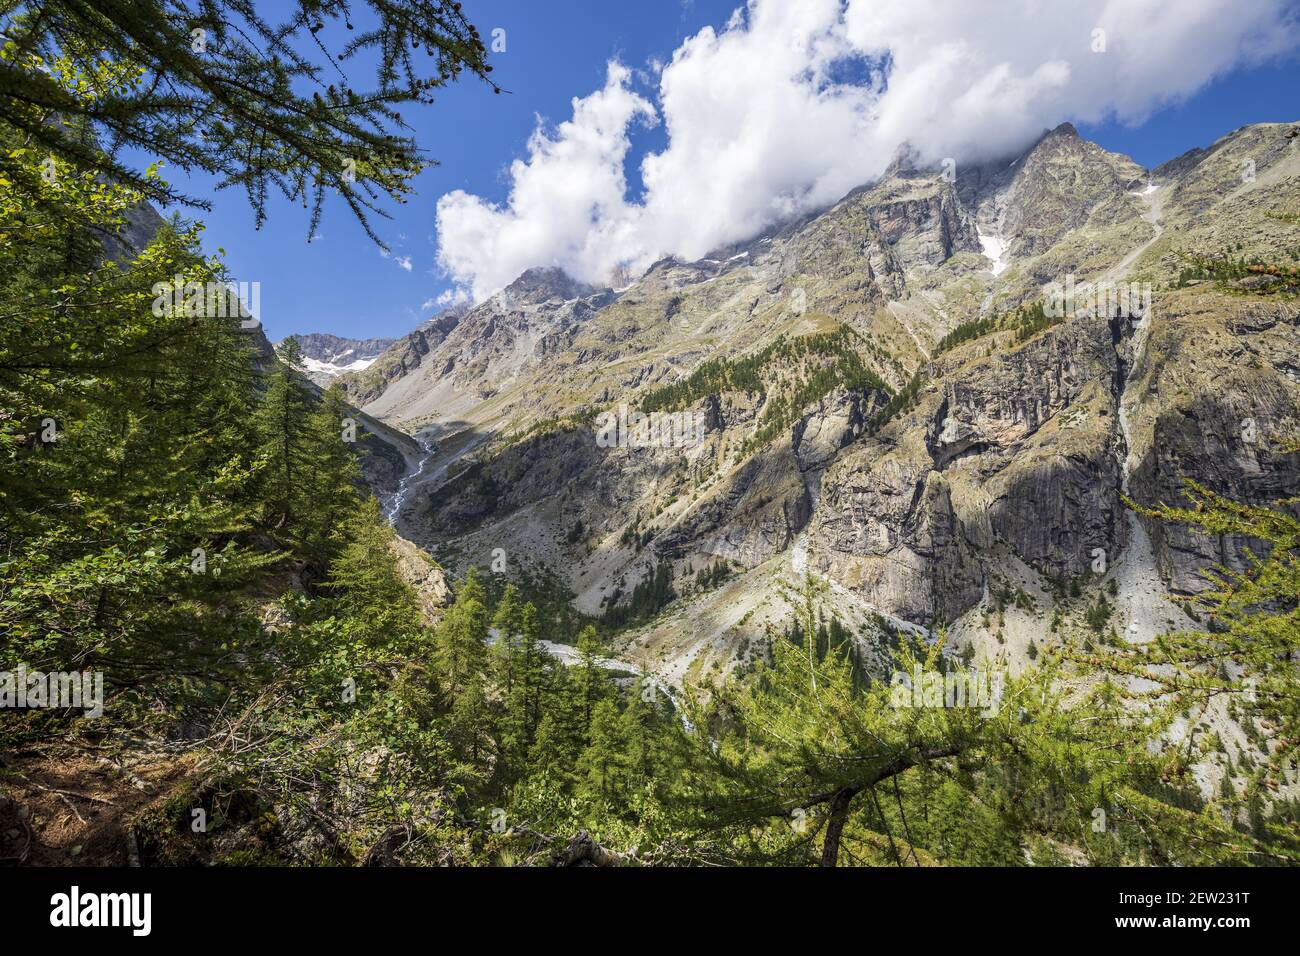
(584, 851)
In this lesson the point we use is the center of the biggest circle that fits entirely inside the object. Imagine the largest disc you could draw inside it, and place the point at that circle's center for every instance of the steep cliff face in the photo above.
(400, 359)
(1217, 401)
(1011, 448)
(922, 479)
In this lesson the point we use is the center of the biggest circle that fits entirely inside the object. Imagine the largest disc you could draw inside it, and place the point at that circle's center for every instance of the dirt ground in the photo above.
(72, 807)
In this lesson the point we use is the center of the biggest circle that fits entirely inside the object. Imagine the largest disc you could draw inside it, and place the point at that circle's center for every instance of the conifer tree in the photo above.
(218, 85)
(602, 763)
(332, 481)
(370, 594)
(126, 440)
(534, 673)
(508, 621)
(461, 638)
(282, 422)
(1246, 655)
(804, 748)
(638, 730)
(553, 752)
(462, 657)
(590, 678)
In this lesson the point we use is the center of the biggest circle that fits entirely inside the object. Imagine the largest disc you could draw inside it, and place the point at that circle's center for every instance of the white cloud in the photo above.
(970, 81)
(452, 297)
(404, 262)
(791, 105)
(566, 205)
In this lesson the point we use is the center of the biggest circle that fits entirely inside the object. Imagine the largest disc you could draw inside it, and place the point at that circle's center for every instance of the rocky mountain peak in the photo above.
(905, 164)
(1064, 183)
(325, 347)
(535, 286)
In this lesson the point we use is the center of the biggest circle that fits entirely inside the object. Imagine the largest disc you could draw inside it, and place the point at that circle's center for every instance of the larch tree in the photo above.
(261, 104)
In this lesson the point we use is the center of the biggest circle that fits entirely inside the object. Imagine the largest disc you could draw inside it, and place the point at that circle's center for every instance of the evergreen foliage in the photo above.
(1256, 275)
(215, 85)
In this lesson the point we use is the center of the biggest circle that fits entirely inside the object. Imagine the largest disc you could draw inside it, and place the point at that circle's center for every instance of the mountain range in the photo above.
(325, 356)
(888, 406)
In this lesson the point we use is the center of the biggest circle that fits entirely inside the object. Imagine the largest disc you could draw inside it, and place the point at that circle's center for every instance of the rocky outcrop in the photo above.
(401, 358)
(885, 528)
(832, 423)
(140, 223)
(425, 577)
(752, 514)
(1011, 449)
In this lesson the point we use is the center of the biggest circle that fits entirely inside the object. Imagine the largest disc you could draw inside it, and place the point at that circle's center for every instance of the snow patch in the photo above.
(334, 368)
(994, 249)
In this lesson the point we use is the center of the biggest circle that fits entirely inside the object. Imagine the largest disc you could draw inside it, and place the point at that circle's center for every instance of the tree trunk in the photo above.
(839, 813)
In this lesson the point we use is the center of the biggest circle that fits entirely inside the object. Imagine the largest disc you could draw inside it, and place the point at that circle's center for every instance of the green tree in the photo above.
(282, 419)
(554, 751)
(463, 662)
(601, 765)
(127, 479)
(1245, 655)
(461, 638)
(591, 679)
(507, 619)
(217, 86)
(331, 482)
(798, 752)
(370, 595)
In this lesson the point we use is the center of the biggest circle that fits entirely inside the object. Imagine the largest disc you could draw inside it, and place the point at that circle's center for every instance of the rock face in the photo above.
(1219, 402)
(1066, 183)
(835, 421)
(1012, 449)
(401, 358)
(425, 578)
(842, 435)
(461, 358)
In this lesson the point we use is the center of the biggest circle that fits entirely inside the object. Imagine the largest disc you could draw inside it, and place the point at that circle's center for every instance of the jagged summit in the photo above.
(906, 162)
(538, 285)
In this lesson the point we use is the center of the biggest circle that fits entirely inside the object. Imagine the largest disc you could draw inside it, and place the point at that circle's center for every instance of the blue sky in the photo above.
(555, 51)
